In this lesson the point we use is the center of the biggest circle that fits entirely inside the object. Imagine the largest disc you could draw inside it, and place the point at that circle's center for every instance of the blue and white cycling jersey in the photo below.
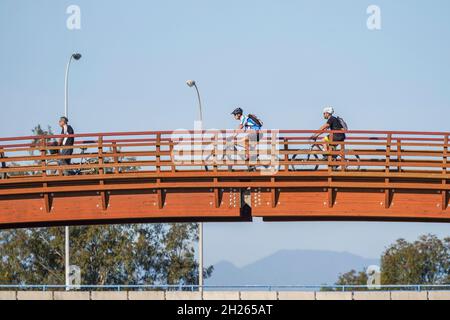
(248, 123)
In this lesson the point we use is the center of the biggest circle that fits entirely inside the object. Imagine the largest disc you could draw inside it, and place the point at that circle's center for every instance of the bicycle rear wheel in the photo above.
(52, 172)
(350, 164)
(353, 164)
(217, 160)
(304, 162)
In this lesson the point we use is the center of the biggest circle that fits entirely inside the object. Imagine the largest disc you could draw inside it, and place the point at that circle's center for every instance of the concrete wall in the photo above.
(34, 295)
(438, 295)
(372, 295)
(221, 295)
(183, 295)
(8, 295)
(259, 295)
(109, 295)
(71, 295)
(296, 295)
(409, 295)
(146, 295)
(225, 295)
(328, 295)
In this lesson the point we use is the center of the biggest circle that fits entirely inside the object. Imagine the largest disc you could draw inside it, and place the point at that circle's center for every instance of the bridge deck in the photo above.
(203, 176)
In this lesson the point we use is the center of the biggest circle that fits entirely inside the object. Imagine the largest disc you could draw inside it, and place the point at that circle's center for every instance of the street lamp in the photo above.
(75, 56)
(191, 83)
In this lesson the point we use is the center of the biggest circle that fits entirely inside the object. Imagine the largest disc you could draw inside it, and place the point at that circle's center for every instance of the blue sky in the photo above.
(283, 60)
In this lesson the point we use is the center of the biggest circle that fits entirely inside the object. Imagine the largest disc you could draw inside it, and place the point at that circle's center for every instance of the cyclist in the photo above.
(332, 123)
(251, 127)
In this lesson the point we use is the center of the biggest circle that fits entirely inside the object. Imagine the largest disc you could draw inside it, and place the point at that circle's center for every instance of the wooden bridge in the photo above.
(214, 176)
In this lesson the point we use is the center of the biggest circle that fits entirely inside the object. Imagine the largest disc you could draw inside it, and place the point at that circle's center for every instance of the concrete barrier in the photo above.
(183, 295)
(221, 295)
(34, 295)
(331, 295)
(296, 295)
(224, 295)
(71, 295)
(438, 295)
(109, 295)
(371, 295)
(259, 295)
(8, 295)
(409, 295)
(146, 295)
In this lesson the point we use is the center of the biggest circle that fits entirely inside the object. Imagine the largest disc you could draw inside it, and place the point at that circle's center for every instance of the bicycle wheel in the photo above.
(52, 172)
(87, 171)
(209, 158)
(353, 164)
(232, 155)
(212, 160)
(303, 161)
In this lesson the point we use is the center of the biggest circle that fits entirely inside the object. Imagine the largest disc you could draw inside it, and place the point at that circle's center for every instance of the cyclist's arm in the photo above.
(322, 128)
(240, 129)
(60, 140)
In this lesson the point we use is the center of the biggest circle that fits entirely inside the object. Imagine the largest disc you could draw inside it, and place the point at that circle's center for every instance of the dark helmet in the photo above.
(237, 111)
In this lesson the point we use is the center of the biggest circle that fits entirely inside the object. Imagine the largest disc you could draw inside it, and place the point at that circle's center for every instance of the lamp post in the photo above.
(191, 83)
(75, 56)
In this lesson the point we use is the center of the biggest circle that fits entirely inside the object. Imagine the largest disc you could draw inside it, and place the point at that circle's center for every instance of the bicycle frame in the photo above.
(226, 156)
(325, 154)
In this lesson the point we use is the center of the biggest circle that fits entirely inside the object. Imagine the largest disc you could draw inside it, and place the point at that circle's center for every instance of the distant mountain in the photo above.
(290, 267)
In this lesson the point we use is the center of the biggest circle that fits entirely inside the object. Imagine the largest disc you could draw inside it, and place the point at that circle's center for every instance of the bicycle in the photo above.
(312, 155)
(79, 171)
(232, 153)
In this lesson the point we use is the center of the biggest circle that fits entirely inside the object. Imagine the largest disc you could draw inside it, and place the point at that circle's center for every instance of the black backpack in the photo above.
(343, 123)
(255, 119)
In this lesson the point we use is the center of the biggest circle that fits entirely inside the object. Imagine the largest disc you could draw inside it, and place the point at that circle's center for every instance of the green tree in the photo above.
(352, 277)
(424, 261)
(111, 254)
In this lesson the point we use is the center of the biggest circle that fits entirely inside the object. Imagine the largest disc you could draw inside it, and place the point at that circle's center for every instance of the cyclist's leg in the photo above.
(334, 147)
(253, 139)
(247, 143)
(66, 162)
(325, 145)
(337, 147)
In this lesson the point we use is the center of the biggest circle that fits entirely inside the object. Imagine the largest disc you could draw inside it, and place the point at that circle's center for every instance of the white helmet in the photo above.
(329, 110)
